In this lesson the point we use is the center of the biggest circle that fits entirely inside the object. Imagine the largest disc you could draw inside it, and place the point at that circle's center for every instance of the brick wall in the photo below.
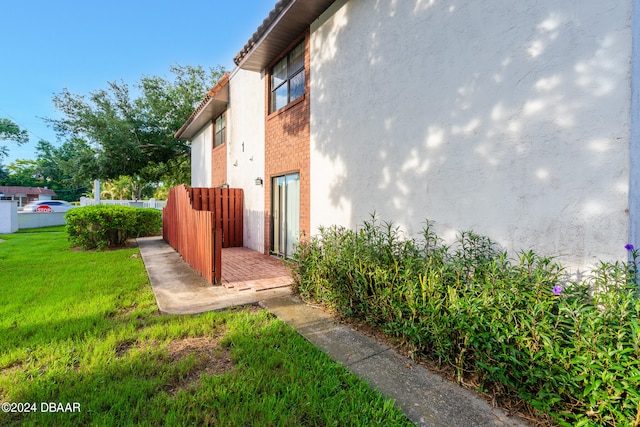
(219, 165)
(287, 147)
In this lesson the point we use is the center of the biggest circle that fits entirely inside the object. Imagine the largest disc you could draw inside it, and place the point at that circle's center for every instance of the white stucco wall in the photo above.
(634, 181)
(245, 150)
(40, 219)
(507, 118)
(201, 146)
(8, 216)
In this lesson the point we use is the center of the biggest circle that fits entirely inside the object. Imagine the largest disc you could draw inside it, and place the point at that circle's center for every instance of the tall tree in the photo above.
(9, 131)
(135, 136)
(23, 173)
(71, 164)
(62, 169)
(66, 169)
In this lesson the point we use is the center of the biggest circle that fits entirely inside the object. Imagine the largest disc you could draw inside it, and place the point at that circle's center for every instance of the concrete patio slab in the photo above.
(180, 290)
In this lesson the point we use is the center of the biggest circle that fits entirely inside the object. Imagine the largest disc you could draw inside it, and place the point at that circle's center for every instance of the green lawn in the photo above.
(81, 330)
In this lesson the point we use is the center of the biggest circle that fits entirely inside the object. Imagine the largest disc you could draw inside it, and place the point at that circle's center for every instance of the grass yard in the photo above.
(80, 330)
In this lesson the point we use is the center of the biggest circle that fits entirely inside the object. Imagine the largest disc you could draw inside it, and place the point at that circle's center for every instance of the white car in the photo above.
(47, 206)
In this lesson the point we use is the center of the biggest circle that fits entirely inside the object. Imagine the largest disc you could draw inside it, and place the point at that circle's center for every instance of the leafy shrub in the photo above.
(514, 327)
(148, 222)
(102, 226)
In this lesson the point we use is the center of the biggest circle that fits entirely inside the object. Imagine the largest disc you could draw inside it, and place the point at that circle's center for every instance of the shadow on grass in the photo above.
(31, 335)
(270, 375)
(51, 229)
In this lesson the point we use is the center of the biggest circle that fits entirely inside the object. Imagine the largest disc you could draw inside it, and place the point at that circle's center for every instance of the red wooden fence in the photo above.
(199, 222)
(227, 205)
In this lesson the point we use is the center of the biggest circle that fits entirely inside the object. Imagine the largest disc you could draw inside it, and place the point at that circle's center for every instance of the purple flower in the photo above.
(629, 247)
(557, 290)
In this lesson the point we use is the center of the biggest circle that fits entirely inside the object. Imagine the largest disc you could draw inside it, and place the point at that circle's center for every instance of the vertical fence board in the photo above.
(232, 217)
(233, 202)
(218, 211)
(212, 200)
(225, 218)
(217, 242)
(196, 200)
(239, 217)
(204, 196)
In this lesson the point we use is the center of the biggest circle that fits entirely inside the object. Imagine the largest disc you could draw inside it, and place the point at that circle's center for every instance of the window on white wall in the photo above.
(220, 130)
(287, 78)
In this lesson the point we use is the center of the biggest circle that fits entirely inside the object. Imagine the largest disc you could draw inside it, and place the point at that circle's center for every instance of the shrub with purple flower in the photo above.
(557, 290)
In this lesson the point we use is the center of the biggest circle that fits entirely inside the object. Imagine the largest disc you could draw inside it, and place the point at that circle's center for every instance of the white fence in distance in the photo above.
(151, 203)
(11, 219)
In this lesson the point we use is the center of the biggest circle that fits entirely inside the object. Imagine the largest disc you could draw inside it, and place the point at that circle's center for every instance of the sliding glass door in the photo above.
(285, 208)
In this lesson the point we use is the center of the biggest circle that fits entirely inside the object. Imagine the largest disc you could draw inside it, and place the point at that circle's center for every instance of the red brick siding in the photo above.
(219, 166)
(287, 147)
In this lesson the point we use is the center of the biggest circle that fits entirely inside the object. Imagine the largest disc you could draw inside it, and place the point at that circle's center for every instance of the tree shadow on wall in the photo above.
(508, 119)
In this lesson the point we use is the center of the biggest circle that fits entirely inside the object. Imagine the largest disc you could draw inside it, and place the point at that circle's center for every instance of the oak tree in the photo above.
(131, 129)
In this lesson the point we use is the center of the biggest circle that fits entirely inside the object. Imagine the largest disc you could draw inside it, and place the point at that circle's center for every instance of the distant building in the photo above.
(25, 195)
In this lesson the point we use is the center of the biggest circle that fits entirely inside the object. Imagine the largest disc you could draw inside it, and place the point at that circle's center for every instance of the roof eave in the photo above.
(285, 23)
(213, 104)
(15, 190)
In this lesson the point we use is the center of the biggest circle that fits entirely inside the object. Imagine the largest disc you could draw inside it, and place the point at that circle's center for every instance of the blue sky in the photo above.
(48, 46)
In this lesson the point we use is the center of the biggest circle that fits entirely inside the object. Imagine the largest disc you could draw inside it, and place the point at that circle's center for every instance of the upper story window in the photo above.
(287, 78)
(220, 130)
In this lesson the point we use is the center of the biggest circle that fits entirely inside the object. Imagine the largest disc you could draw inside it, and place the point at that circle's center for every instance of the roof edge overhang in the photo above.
(16, 189)
(285, 23)
(212, 105)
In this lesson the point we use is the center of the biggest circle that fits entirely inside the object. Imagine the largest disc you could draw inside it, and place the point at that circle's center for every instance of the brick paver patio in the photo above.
(244, 269)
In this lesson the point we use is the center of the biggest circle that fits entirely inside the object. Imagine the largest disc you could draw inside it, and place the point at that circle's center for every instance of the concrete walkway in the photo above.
(426, 398)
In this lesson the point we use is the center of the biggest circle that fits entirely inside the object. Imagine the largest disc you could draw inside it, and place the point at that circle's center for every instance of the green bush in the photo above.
(516, 328)
(148, 222)
(102, 226)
